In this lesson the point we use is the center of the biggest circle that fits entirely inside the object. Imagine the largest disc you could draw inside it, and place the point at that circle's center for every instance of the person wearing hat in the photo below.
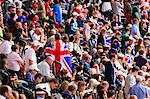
(45, 66)
(73, 23)
(32, 71)
(87, 29)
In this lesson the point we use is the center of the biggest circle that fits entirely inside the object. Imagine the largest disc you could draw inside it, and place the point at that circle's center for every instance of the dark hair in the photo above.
(2, 56)
(110, 93)
(135, 68)
(3, 89)
(87, 95)
(71, 38)
(10, 7)
(38, 75)
(57, 36)
(14, 47)
(64, 71)
(141, 52)
(25, 22)
(81, 83)
(78, 78)
(71, 88)
(100, 90)
(2, 63)
(55, 81)
(112, 56)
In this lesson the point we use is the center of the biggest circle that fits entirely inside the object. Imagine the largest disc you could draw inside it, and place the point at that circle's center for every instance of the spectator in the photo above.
(109, 70)
(139, 88)
(130, 79)
(69, 94)
(80, 91)
(140, 60)
(5, 46)
(135, 29)
(58, 12)
(6, 91)
(31, 73)
(14, 60)
(29, 54)
(45, 67)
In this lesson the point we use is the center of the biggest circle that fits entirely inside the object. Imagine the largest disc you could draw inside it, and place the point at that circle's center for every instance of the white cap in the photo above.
(119, 73)
(35, 43)
(75, 14)
(33, 67)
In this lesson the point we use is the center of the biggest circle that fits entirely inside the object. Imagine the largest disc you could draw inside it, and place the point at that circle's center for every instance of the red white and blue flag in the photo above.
(107, 39)
(60, 52)
(128, 60)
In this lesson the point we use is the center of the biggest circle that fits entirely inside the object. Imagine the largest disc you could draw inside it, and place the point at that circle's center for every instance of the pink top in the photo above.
(14, 61)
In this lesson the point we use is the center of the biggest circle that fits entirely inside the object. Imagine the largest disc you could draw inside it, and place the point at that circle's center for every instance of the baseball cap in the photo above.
(35, 43)
(75, 14)
(33, 67)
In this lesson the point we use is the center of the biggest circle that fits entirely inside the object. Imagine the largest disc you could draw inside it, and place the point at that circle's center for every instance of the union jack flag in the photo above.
(107, 39)
(128, 60)
(60, 53)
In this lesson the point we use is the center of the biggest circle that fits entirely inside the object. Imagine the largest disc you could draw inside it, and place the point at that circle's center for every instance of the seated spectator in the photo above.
(31, 73)
(45, 67)
(69, 94)
(6, 91)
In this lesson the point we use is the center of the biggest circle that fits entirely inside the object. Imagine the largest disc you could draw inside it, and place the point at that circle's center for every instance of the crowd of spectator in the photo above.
(108, 42)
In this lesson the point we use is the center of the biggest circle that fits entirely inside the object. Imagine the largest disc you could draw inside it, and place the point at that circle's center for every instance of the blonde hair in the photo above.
(64, 86)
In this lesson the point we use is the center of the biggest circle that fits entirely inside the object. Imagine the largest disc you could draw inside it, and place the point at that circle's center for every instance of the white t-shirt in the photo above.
(129, 82)
(14, 61)
(70, 46)
(30, 55)
(44, 86)
(5, 47)
(44, 68)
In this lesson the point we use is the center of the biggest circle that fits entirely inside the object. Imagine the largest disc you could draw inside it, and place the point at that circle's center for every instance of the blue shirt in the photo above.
(29, 77)
(135, 29)
(86, 66)
(23, 18)
(74, 26)
(58, 13)
(139, 90)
